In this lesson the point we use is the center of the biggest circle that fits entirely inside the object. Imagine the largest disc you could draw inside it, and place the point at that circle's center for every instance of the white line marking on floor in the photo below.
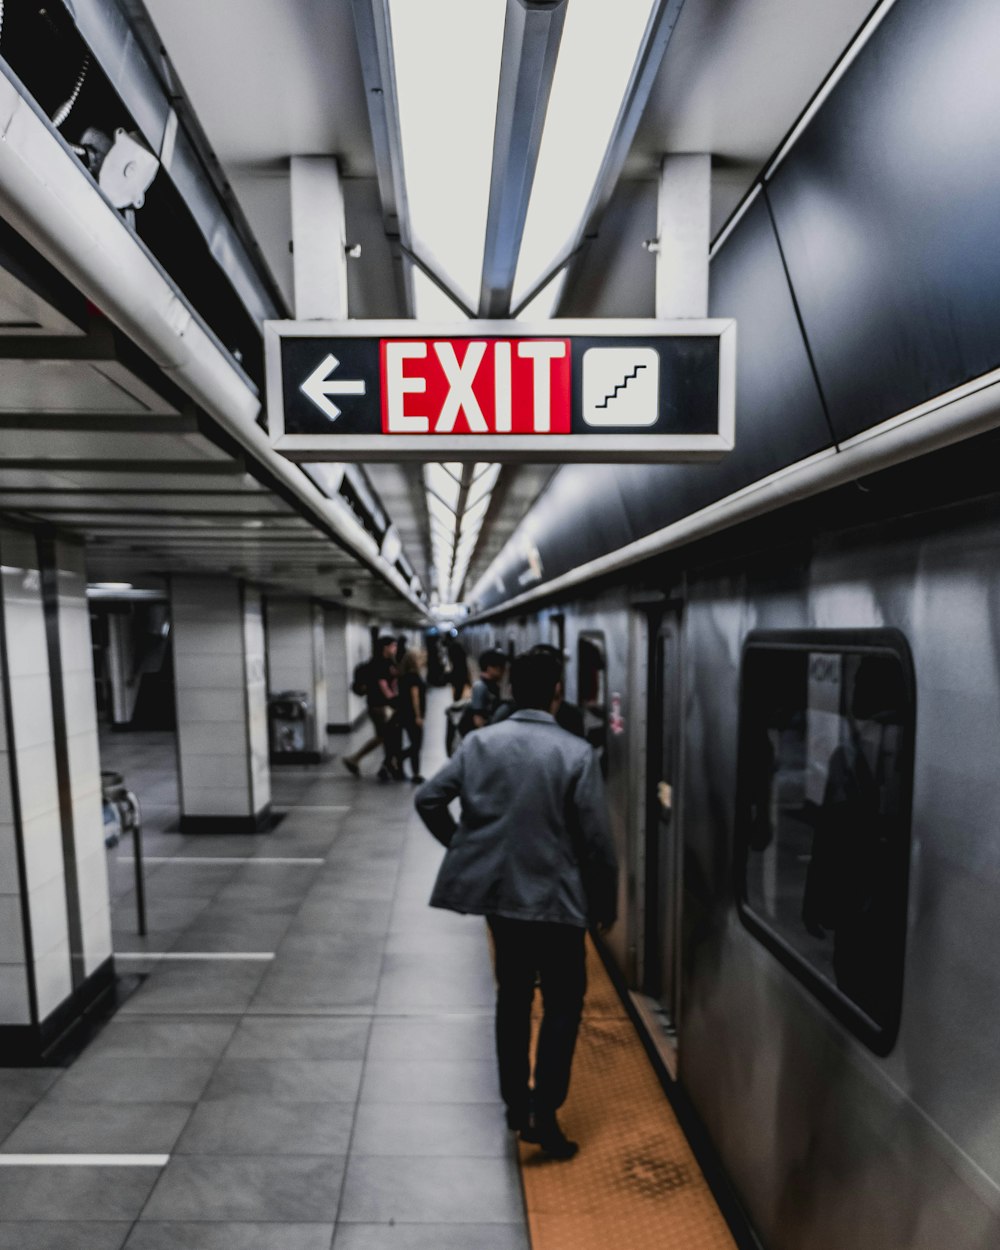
(194, 955)
(84, 1161)
(220, 859)
(316, 807)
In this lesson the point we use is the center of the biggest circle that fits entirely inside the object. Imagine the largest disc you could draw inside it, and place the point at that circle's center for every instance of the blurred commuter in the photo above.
(412, 710)
(382, 697)
(486, 691)
(532, 852)
(568, 715)
(459, 664)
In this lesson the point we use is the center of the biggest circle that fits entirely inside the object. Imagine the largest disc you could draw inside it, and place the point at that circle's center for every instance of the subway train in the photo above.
(809, 916)
(790, 662)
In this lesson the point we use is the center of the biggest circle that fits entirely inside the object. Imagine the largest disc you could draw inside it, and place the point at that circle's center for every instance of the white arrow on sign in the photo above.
(318, 386)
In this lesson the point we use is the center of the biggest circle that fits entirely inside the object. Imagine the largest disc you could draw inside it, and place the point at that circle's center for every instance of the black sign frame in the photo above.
(624, 445)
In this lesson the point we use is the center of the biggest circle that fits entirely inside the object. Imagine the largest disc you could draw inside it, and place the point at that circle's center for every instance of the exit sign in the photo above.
(559, 391)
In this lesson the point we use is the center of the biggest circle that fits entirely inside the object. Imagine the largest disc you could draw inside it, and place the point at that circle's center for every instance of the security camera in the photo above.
(347, 591)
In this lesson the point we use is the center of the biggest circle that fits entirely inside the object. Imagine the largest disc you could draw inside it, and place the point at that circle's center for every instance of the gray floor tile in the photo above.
(287, 1080)
(75, 1193)
(443, 1037)
(55, 1127)
(114, 1079)
(23, 1084)
(472, 1130)
(207, 989)
(431, 1191)
(282, 1190)
(423, 1080)
(430, 1237)
(299, 1039)
(164, 1038)
(68, 1236)
(262, 1126)
(149, 1236)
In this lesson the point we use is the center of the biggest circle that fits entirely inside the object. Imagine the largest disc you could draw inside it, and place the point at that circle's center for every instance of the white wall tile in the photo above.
(212, 800)
(214, 706)
(53, 979)
(9, 883)
(208, 671)
(201, 769)
(37, 784)
(43, 850)
(49, 922)
(14, 1007)
(31, 710)
(97, 944)
(11, 930)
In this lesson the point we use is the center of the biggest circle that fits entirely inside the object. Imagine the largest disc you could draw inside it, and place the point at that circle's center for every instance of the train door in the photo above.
(663, 852)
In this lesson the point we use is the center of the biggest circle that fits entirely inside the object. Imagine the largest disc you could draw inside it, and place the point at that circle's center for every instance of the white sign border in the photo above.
(506, 448)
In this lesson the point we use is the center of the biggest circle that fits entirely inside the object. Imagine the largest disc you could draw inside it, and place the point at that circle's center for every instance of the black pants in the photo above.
(555, 954)
(415, 736)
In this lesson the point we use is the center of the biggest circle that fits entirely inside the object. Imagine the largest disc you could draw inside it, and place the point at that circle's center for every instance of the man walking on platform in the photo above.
(532, 852)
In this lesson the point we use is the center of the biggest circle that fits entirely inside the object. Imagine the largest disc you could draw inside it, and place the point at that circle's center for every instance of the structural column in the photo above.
(55, 930)
(219, 672)
(683, 230)
(348, 644)
(296, 662)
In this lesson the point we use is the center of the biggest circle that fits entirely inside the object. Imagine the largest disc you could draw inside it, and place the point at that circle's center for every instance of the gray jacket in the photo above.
(533, 841)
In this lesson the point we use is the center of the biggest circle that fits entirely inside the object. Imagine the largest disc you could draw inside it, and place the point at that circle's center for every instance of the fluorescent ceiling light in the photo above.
(474, 516)
(447, 61)
(443, 484)
(595, 61)
(483, 485)
(440, 510)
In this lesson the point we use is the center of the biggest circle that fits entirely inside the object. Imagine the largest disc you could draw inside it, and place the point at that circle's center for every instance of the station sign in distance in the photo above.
(623, 391)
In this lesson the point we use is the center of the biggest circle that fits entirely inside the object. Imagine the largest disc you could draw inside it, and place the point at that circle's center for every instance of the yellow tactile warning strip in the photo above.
(635, 1184)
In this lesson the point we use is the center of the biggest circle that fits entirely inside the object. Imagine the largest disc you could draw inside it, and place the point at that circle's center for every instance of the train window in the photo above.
(592, 689)
(823, 814)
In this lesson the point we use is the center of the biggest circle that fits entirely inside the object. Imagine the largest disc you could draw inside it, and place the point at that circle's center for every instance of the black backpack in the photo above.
(359, 681)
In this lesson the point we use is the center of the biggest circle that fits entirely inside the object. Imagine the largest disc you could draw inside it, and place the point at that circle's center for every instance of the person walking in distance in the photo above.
(412, 709)
(532, 851)
(459, 665)
(381, 697)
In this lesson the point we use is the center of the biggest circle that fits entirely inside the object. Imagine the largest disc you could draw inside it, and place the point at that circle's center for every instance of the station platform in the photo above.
(304, 1058)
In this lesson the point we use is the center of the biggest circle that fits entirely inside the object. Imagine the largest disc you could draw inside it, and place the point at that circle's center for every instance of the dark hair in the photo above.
(546, 648)
(384, 641)
(533, 679)
(492, 658)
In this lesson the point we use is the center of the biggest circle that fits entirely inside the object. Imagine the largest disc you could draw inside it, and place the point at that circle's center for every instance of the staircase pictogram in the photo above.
(620, 386)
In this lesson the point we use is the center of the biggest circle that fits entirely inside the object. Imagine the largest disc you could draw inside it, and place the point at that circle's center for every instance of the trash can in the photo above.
(121, 808)
(290, 722)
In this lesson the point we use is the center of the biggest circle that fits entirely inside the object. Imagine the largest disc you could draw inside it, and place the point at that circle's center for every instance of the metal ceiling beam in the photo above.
(89, 423)
(656, 38)
(532, 33)
(374, 36)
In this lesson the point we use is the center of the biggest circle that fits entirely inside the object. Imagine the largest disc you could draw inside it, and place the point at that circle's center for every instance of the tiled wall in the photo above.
(30, 738)
(214, 718)
(256, 683)
(14, 1008)
(295, 655)
(80, 715)
(348, 643)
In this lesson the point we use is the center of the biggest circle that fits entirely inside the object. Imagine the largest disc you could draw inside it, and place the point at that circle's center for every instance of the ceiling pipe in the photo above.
(46, 194)
(531, 37)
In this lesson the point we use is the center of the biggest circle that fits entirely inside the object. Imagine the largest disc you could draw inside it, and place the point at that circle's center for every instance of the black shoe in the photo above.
(417, 780)
(351, 767)
(547, 1134)
(518, 1120)
(383, 774)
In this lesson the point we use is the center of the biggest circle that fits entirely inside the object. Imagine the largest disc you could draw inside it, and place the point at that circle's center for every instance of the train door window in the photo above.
(823, 814)
(592, 690)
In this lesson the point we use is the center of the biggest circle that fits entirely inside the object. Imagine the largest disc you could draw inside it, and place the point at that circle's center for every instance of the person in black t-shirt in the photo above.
(382, 699)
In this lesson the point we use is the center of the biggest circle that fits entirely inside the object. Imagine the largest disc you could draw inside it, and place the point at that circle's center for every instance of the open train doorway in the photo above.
(663, 862)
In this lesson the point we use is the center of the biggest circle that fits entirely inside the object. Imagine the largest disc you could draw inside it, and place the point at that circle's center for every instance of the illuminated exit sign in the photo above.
(501, 390)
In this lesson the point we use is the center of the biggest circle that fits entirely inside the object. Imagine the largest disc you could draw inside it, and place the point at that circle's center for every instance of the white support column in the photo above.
(318, 239)
(221, 705)
(348, 644)
(55, 946)
(296, 661)
(683, 229)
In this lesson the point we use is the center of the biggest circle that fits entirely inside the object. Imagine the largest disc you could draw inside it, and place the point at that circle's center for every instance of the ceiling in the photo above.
(125, 461)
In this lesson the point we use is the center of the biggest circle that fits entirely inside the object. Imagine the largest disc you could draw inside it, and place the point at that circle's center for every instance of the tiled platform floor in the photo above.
(341, 1094)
